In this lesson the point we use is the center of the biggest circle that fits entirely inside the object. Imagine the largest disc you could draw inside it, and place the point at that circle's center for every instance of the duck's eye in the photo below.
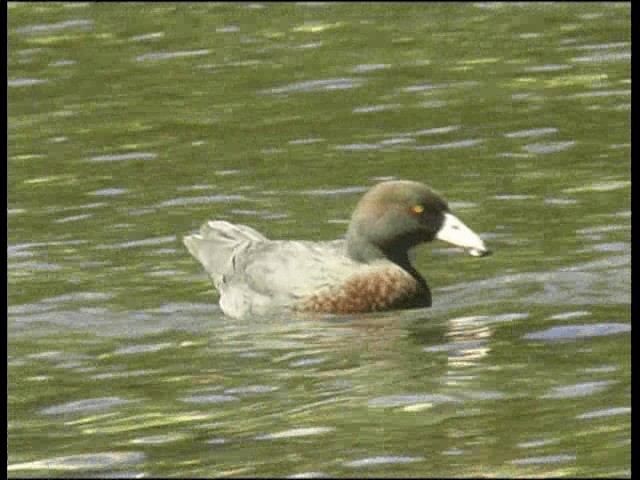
(417, 209)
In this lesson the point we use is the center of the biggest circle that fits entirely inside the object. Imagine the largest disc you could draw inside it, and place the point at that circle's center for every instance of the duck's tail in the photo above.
(218, 243)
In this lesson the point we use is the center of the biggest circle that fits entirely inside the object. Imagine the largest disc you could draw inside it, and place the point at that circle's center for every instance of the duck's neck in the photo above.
(366, 252)
(363, 251)
(400, 256)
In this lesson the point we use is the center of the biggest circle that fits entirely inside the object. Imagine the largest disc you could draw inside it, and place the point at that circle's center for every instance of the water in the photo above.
(128, 129)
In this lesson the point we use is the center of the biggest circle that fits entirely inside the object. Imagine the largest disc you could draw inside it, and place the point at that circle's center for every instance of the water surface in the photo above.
(128, 129)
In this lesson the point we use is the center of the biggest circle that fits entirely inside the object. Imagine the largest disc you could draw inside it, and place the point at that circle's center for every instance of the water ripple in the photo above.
(607, 412)
(550, 147)
(382, 460)
(198, 200)
(52, 27)
(544, 460)
(81, 406)
(317, 85)
(124, 156)
(132, 349)
(577, 390)
(459, 144)
(89, 461)
(169, 55)
(404, 400)
(571, 332)
(209, 398)
(25, 82)
(295, 432)
(534, 132)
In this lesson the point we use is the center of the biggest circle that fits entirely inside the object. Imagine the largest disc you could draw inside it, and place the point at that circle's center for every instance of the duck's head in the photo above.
(394, 216)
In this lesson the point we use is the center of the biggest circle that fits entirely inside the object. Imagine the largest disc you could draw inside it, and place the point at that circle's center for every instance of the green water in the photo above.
(132, 124)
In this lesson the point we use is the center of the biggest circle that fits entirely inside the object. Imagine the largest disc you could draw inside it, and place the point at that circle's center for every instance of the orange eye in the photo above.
(417, 209)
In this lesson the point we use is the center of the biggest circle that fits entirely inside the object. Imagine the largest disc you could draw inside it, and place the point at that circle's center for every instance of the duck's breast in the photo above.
(369, 288)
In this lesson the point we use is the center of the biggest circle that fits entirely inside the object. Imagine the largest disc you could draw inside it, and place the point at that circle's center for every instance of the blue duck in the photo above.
(370, 270)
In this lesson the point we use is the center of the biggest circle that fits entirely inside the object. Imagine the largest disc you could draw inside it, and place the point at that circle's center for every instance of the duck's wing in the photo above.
(219, 244)
(294, 268)
(274, 275)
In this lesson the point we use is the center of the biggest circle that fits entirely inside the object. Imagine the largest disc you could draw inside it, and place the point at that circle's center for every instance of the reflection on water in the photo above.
(280, 116)
(231, 384)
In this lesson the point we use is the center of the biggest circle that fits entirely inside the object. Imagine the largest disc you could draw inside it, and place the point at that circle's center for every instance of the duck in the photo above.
(369, 270)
